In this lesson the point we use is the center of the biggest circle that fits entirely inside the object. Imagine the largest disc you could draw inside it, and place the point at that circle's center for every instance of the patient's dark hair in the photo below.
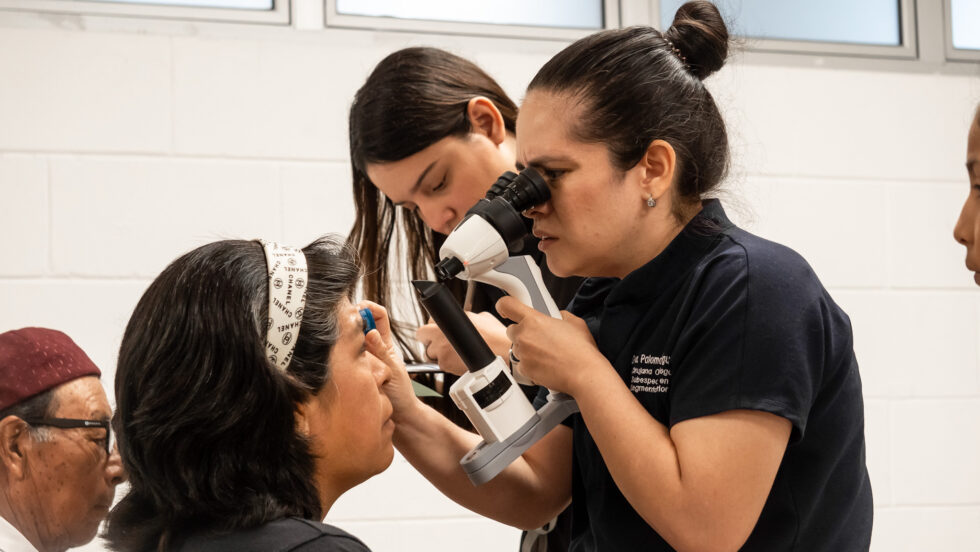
(206, 425)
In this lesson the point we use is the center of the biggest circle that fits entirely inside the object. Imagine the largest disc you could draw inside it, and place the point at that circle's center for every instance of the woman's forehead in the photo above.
(544, 126)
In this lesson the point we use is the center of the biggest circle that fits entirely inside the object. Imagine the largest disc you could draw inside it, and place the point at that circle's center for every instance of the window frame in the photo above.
(908, 49)
(278, 15)
(952, 52)
(611, 17)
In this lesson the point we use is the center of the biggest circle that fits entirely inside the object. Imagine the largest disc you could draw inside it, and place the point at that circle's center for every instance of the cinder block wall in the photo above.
(125, 142)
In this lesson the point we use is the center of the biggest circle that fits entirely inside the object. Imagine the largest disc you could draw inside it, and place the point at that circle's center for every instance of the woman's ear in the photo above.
(486, 119)
(657, 168)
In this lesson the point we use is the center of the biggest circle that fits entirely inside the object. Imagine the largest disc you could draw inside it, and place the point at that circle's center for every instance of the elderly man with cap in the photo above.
(58, 468)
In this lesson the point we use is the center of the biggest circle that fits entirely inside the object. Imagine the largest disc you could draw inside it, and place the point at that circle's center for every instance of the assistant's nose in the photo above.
(438, 216)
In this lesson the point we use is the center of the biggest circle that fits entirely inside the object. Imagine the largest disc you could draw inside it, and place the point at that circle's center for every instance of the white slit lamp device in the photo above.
(478, 249)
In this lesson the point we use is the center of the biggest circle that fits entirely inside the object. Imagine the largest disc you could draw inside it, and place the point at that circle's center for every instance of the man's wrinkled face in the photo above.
(69, 471)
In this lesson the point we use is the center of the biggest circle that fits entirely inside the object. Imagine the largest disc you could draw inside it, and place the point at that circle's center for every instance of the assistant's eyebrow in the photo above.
(970, 165)
(418, 183)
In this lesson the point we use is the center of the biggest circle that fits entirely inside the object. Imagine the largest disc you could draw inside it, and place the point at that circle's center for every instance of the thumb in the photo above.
(512, 309)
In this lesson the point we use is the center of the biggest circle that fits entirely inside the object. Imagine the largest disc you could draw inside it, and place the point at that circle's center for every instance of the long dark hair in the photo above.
(413, 98)
(206, 425)
(638, 85)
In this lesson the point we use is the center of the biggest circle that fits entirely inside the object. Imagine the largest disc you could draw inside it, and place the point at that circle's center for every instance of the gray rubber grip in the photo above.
(518, 267)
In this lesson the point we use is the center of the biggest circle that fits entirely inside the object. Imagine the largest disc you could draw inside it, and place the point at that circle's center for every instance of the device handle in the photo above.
(521, 278)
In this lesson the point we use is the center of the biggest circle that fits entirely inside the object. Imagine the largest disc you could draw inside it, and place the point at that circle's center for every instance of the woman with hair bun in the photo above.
(720, 398)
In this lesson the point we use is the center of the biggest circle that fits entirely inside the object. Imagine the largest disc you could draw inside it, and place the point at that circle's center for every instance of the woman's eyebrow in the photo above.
(547, 159)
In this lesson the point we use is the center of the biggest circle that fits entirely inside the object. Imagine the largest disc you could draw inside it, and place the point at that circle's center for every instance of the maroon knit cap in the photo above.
(34, 360)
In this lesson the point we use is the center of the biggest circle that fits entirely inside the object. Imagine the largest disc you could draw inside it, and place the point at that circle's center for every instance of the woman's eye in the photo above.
(440, 185)
(552, 175)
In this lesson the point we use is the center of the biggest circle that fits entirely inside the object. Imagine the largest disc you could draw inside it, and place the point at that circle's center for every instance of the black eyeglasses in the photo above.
(70, 423)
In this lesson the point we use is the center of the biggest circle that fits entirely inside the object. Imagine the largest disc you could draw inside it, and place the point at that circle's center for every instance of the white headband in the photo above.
(287, 298)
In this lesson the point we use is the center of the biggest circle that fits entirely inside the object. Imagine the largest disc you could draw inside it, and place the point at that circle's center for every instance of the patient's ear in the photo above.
(14, 439)
(303, 418)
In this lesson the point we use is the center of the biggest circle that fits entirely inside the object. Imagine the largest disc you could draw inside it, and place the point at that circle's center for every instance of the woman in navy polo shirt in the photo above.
(720, 398)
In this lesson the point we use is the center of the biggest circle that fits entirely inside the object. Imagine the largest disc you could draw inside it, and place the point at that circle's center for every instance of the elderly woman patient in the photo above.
(247, 402)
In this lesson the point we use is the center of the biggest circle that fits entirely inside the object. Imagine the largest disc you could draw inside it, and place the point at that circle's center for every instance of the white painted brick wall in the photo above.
(124, 143)
(24, 212)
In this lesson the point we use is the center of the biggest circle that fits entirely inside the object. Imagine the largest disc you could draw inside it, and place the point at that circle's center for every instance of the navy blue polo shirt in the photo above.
(724, 320)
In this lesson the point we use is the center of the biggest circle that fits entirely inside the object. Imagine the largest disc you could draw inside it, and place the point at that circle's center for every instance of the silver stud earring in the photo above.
(651, 202)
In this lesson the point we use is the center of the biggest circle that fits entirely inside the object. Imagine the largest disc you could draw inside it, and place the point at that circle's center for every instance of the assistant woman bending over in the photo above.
(720, 398)
(430, 132)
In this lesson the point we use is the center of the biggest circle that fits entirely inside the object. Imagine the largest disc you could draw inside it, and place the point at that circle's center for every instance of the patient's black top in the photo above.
(284, 535)
(724, 320)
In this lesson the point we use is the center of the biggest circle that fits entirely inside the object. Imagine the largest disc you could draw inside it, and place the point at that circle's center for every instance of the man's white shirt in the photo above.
(11, 540)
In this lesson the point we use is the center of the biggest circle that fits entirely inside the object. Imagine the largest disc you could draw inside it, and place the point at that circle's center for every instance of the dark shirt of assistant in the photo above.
(284, 535)
(724, 320)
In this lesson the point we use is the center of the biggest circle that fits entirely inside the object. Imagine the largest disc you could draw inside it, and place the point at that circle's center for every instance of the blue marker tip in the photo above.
(368, 320)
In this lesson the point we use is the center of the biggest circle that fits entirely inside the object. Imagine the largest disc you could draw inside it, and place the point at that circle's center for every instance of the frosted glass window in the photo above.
(237, 4)
(965, 16)
(874, 22)
(575, 14)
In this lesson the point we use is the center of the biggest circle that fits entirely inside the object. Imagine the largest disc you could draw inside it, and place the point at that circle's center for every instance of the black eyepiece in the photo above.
(509, 195)
(526, 190)
(501, 184)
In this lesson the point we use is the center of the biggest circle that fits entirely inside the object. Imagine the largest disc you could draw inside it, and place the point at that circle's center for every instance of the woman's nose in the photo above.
(382, 373)
(961, 232)
(538, 210)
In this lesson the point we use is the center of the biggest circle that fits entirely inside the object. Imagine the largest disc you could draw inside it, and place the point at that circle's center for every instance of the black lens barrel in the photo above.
(451, 319)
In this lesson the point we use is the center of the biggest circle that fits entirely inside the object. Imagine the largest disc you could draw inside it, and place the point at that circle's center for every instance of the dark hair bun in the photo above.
(699, 32)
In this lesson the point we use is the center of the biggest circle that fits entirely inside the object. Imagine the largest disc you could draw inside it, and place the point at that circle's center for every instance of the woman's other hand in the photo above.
(438, 349)
(553, 353)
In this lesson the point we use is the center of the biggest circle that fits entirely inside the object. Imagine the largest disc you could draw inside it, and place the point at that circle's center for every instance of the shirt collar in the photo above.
(683, 252)
(11, 540)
